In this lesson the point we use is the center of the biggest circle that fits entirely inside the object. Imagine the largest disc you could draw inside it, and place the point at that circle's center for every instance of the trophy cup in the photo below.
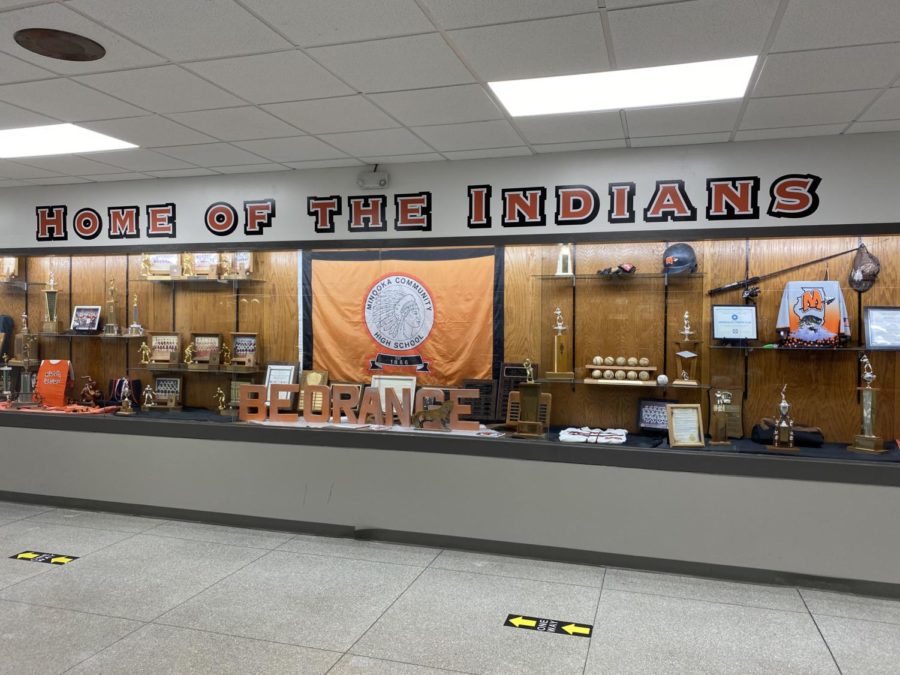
(51, 298)
(6, 378)
(560, 357)
(109, 324)
(719, 418)
(686, 356)
(783, 437)
(867, 441)
(135, 328)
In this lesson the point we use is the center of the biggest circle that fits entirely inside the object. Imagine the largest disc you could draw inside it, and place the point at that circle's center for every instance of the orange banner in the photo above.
(431, 316)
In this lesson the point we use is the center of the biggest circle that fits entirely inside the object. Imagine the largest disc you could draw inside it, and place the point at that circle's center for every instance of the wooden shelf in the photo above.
(648, 369)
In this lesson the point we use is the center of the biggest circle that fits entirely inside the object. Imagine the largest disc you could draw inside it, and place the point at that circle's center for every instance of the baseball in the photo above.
(598, 361)
(620, 374)
(632, 361)
(643, 361)
(662, 380)
(608, 375)
(609, 360)
(643, 376)
(632, 375)
(596, 374)
(620, 360)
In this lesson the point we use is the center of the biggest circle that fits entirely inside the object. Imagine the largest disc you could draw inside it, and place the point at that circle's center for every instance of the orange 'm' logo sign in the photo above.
(811, 300)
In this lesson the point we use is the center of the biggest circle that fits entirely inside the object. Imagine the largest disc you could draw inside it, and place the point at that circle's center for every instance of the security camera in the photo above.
(373, 180)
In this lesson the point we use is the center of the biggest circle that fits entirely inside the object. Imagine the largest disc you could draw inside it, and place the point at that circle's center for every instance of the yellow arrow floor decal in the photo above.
(571, 629)
(27, 555)
(49, 558)
(548, 625)
(522, 621)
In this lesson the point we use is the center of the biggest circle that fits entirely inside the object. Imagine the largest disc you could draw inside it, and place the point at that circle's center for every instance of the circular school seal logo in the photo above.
(399, 312)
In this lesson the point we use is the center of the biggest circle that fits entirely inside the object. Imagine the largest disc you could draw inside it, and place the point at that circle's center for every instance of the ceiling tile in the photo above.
(398, 63)
(573, 147)
(138, 160)
(149, 131)
(71, 165)
(405, 159)
(706, 29)
(325, 163)
(13, 170)
(62, 180)
(470, 136)
(812, 24)
(680, 139)
(488, 152)
(185, 30)
(120, 53)
(683, 119)
(66, 100)
(14, 70)
(112, 177)
(542, 48)
(868, 127)
(466, 13)
(323, 22)
(182, 173)
(163, 89)
(887, 107)
(332, 115)
(12, 117)
(442, 105)
(296, 149)
(807, 109)
(236, 124)
(569, 128)
(268, 78)
(789, 132)
(382, 142)
(212, 154)
(251, 168)
(823, 70)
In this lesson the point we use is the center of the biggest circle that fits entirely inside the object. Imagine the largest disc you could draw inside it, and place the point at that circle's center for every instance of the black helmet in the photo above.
(678, 258)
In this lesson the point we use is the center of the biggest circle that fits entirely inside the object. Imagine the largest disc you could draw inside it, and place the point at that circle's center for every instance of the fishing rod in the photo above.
(752, 281)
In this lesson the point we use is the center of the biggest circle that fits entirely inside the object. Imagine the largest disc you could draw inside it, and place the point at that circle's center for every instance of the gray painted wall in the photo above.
(825, 529)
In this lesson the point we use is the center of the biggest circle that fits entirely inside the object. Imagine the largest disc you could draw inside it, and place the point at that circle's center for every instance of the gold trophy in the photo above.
(109, 325)
(187, 264)
(686, 356)
(149, 398)
(783, 437)
(866, 440)
(135, 328)
(145, 353)
(126, 408)
(560, 356)
(51, 299)
(225, 354)
(189, 354)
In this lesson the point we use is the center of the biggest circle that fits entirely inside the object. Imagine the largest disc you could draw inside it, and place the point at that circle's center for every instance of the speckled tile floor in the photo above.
(155, 596)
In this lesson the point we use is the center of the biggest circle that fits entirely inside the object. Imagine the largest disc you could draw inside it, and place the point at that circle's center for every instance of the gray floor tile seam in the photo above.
(206, 588)
(587, 656)
(79, 526)
(711, 602)
(69, 609)
(346, 557)
(109, 646)
(385, 611)
(512, 576)
(821, 634)
(207, 541)
(854, 618)
(403, 663)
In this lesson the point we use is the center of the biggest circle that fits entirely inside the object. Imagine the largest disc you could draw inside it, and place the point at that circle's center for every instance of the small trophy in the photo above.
(783, 437)
(145, 353)
(25, 345)
(686, 357)
(149, 398)
(560, 357)
(51, 298)
(109, 324)
(126, 408)
(719, 418)
(6, 378)
(187, 264)
(135, 328)
(189, 354)
(529, 421)
(867, 441)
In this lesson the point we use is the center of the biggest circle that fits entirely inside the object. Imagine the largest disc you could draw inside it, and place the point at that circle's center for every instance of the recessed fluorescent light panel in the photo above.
(621, 89)
(55, 139)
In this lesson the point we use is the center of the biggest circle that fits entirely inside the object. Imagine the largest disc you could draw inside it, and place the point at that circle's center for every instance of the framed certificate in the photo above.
(685, 425)
(882, 327)
(734, 322)
(396, 382)
(280, 373)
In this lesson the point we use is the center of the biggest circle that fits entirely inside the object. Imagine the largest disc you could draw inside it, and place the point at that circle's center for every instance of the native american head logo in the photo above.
(399, 312)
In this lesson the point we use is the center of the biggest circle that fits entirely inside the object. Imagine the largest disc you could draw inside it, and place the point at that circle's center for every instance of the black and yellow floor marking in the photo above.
(549, 625)
(49, 558)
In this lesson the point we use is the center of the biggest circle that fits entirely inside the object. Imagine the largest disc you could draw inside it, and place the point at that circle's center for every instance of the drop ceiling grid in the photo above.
(406, 80)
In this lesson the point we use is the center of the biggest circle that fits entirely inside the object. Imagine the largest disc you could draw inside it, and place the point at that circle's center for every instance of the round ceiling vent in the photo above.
(59, 44)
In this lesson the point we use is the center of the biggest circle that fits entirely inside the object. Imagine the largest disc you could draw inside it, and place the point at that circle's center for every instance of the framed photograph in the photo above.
(85, 319)
(166, 389)
(280, 373)
(312, 377)
(395, 382)
(653, 419)
(165, 348)
(243, 349)
(160, 265)
(9, 268)
(685, 425)
(205, 263)
(237, 264)
(206, 346)
(882, 327)
(732, 323)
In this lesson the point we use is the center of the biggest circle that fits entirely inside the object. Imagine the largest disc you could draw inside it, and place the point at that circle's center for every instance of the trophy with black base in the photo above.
(110, 327)
(866, 440)
(51, 303)
(783, 435)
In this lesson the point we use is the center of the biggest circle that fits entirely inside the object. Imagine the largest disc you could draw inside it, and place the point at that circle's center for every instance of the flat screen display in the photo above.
(734, 322)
